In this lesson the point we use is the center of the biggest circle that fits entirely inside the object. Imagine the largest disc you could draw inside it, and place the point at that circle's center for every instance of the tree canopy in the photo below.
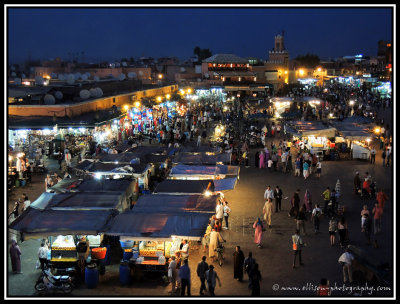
(202, 53)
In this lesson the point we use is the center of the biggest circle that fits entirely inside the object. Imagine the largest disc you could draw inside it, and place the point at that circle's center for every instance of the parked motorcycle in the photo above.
(48, 282)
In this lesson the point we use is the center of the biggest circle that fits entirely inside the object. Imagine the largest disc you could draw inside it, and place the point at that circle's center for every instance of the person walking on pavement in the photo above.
(215, 239)
(301, 221)
(377, 212)
(342, 229)
(346, 260)
(381, 197)
(297, 243)
(202, 267)
(268, 210)
(366, 228)
(372, 155)
(212, 278)
(308, 201)
(15, 254)
(184, 275)
(327, 197)
(315, 217)
(238, 260)
(278, 199)
(258, 230)
(248, 264)
(332, 230)
(383, 158)
(255, 281)
(357, 183)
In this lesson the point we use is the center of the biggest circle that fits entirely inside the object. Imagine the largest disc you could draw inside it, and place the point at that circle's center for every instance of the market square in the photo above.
(119, 184)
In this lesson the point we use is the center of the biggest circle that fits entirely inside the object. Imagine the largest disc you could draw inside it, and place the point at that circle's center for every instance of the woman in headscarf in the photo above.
(15, 254)
(307, 201)
(257, 159)
(262, 160)
(258, 226)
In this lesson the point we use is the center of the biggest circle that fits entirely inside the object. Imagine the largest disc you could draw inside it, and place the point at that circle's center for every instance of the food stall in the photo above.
(314, 135)
(154, 228)
(63, 230)
(357, 137)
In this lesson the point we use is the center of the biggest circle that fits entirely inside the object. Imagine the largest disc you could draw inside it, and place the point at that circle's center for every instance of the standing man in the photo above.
(238, 261)
(227, 211)
(185, 250)
(346, 259)
(184, 275)
(297, 243)
(269, 193)
(202, 267)
(278, 198)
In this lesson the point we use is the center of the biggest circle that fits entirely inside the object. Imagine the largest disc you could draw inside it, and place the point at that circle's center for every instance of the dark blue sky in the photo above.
(115, 32)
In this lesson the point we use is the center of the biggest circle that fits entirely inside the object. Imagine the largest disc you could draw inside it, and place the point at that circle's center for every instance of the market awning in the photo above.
(202, 158)
(121, 158)
(225, 184)
(159, 226)
(330, 132)
(193, 170)
(184, 186)
(176, 203)
(42, 201)
(36, 223)
(203, 171)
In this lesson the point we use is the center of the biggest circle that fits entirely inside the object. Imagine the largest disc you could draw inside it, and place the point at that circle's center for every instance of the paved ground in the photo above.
(275, 256)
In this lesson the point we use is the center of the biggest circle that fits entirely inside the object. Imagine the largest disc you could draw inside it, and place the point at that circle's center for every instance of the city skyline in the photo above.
(111, 33)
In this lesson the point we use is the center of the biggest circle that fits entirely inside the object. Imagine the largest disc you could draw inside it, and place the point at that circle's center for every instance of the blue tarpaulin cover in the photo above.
(225, 184)
(55, 222)
(159, 225)
(176, 203)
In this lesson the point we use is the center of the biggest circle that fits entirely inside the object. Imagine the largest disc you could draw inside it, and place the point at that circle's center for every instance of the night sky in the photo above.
(108, 33)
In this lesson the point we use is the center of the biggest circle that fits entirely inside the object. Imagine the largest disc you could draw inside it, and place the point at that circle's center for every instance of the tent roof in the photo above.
(79, 201)
(55, 222)
(117, 168)
(67, 184)
(159, 225)
(184, 186)
(43, 200)
(102, 185)
(176, 203)
(199, 158)
(204, 170)
(125, 157)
